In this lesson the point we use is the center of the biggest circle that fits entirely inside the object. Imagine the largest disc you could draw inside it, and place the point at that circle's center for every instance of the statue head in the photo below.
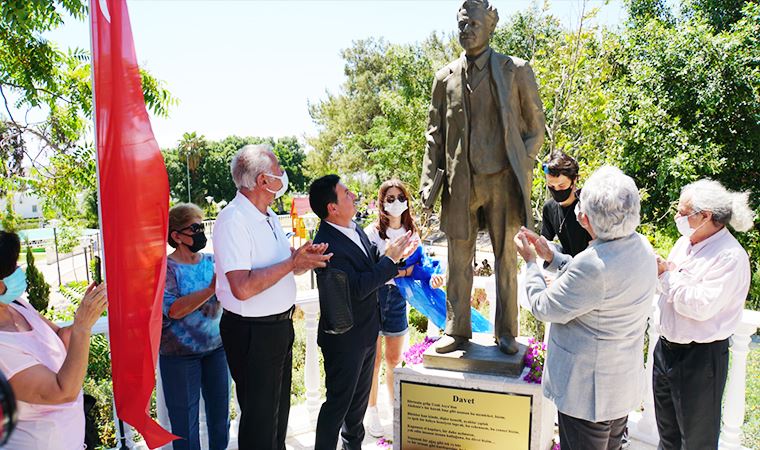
(477, 22)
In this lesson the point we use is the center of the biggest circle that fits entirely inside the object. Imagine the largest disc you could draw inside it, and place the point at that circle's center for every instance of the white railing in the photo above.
(308, 301)
(642, 426)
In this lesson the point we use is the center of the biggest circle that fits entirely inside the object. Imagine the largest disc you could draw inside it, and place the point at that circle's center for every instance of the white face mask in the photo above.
(284, 179)
(682, 223)
(396, 208)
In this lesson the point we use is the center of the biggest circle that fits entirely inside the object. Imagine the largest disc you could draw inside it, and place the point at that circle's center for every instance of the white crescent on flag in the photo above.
(104, 9)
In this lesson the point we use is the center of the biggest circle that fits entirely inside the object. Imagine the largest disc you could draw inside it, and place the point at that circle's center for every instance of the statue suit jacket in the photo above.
(522, 118)
(365, 275)
(598, 307)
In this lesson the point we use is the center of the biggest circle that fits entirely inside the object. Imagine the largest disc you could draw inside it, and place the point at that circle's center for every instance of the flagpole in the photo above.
(93, 4)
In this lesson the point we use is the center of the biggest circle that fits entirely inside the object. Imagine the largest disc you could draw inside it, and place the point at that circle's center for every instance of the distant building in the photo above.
(26, 204)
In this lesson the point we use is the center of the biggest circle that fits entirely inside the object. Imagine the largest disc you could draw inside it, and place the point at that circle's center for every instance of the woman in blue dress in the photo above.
(192, 359)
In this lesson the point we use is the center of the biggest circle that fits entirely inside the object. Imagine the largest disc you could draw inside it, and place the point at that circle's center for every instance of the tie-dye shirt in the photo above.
(197, 332)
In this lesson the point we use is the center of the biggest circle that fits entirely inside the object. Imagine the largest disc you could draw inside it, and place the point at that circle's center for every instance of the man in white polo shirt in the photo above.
(255, 284)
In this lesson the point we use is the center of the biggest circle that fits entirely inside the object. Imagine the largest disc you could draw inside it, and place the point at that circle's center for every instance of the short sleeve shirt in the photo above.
(197, 332)
(40, 426)
(245, 239)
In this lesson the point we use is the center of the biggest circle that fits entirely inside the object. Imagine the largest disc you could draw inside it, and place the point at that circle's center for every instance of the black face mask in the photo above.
(560, 196)
(199, 242)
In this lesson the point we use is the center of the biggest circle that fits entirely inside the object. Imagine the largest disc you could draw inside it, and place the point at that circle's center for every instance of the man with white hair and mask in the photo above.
(704, 283)
(255, 284)
(598, 306)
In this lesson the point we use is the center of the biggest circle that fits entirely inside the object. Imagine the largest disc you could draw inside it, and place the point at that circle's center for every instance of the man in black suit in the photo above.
(349, 357)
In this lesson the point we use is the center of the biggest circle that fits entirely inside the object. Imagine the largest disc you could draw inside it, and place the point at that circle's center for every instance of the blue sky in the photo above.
(251, 67)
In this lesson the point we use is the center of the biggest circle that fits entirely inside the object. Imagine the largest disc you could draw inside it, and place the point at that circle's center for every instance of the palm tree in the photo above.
(192, 147)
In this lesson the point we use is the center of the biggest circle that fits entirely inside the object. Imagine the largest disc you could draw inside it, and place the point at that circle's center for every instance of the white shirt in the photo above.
(244, 239)
(374, 236)
(352, 234)
(703, 297)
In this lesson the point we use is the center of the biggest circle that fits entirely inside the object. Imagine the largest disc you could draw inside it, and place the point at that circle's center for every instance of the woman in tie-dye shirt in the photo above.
(191, 355)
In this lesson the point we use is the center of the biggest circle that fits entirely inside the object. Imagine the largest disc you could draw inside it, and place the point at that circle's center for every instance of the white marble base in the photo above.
(543, 412)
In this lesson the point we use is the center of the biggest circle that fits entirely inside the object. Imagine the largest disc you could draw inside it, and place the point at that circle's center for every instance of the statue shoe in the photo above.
(447, 344)
(508, 344)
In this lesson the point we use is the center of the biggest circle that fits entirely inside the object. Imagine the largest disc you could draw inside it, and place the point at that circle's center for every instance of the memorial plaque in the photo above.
(450, 418)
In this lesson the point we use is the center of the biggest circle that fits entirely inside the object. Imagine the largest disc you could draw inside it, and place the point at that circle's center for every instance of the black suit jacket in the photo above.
(365, 275)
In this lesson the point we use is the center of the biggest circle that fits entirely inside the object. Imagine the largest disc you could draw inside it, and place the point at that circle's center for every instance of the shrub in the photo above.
(418, 321)
(38, 291)
(530, 326)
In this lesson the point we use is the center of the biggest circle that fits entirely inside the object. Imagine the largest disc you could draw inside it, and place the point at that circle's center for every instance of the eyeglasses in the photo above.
(195, 228)
(392, 198)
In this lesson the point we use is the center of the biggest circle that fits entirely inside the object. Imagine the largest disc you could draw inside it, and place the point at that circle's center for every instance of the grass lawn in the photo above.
(751, 428)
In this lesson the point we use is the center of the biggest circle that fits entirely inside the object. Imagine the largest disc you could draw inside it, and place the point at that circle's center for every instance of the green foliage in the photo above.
(38, 290)
(211, 176)
(670, 98)
(753, 299)
(56, 83)
(530, 326)
(10, 220)
(102, 414)
(751, 427)
(418, 321)
(68, 238)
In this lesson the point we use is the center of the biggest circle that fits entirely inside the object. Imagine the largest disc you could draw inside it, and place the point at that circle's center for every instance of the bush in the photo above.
(418, 321)
(753, 299)
(38, 291)
(530, 326)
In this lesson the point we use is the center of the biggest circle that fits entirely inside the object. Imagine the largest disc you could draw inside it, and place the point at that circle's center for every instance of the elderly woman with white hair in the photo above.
(704, 282)
(598, 306)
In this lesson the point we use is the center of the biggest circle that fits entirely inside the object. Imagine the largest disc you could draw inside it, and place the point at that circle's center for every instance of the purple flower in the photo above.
(414, 354)
(534, 359)
(383, 443)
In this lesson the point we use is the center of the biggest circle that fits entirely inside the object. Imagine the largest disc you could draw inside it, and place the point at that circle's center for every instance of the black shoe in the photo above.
(508, 344)
(448, 344)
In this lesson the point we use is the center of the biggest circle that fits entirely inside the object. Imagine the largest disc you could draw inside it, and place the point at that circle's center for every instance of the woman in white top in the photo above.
(44, 363)
(394, 219)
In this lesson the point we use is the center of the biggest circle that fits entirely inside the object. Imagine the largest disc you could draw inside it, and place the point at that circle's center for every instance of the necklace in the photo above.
(562, 219)
(13, 318)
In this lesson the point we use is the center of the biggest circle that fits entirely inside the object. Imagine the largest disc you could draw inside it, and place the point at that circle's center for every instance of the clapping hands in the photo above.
(402, 247)
(309, 256)
(530, 245)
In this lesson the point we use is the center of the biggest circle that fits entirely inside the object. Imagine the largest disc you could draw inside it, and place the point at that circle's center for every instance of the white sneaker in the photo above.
(374, 427)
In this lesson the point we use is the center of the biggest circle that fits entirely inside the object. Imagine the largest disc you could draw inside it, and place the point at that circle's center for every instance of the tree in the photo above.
(10, 220)
(191, 148)
(35, 75)
(38, 290)
(212, 175)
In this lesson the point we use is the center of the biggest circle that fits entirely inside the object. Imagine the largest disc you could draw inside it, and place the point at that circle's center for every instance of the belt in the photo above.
(287, 315)
(675, 345)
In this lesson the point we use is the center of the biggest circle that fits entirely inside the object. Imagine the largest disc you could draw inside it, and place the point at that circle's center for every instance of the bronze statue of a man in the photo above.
(486, 125)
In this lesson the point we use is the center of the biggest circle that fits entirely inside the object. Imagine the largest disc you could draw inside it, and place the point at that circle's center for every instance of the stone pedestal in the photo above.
(437, 409)
(479, 355)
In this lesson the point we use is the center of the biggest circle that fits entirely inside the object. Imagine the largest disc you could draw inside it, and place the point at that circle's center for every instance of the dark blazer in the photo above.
(365, 276)
(522, 117)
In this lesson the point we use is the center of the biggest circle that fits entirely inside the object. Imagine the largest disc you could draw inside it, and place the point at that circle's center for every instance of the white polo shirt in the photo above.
(245, 240)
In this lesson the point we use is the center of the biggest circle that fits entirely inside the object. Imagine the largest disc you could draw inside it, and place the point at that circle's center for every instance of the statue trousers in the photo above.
(498, 198)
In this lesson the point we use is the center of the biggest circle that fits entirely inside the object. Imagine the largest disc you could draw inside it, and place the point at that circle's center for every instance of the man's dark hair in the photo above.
(321, 193)
(560, 163)
(10, 247)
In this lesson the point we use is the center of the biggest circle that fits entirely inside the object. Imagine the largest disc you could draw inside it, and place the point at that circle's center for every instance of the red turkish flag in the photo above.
(134, 208)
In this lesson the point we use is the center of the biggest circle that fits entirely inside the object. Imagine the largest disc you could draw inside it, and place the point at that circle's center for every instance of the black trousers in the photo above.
(260, 356)
(348, 380)
(688, 382)
(580, 434)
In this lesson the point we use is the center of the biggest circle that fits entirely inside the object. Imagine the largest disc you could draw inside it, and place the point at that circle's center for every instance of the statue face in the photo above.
(474, 30)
